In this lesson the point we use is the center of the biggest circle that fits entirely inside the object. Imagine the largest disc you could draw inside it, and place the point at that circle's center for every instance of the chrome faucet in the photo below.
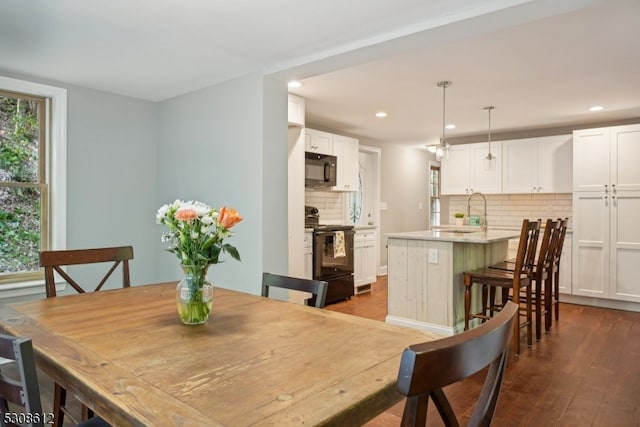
(483, 221)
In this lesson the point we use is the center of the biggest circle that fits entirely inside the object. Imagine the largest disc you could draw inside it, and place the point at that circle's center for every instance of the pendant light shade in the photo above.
(442, 150)
(489, 160)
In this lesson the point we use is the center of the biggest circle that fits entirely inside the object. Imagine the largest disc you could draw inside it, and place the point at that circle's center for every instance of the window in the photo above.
(32, 183)
(434, 190)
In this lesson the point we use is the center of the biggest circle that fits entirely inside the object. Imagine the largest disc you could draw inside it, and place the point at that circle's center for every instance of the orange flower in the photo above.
(186, 214)
(229, 217)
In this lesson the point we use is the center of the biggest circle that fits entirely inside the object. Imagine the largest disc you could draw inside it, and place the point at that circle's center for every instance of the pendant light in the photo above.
(443, 149)
(489, 160)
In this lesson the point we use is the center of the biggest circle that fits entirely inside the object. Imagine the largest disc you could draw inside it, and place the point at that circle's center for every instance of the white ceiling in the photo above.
(542, 63)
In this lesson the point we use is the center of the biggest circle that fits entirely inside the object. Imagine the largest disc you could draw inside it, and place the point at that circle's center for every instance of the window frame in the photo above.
(435, 166)
(55, 149)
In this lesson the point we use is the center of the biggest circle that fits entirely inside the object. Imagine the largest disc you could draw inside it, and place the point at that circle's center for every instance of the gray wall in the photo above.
(111, 175)
(404, 184)
(226, 144)
(215, 145)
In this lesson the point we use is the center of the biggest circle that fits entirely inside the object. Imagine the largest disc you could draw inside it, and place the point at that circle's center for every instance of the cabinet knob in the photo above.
(613, 187)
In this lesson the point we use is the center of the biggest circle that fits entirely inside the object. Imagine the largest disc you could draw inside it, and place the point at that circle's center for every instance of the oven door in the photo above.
(332, 253)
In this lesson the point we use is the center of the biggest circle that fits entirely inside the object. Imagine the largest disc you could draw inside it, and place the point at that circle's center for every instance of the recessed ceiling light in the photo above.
(381, 114)
(450, 126)
(596, 108)
(294, 84)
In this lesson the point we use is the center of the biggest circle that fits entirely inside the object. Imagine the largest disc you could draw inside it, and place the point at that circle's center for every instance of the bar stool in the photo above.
(516, 280)
(541, 275)
(557, 255)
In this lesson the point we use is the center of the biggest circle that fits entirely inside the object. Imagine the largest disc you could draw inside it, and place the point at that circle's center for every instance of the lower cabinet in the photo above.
(308, 255)
(364, 260)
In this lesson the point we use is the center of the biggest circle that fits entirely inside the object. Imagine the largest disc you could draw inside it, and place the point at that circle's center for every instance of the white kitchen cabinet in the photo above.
(296, 110)
(537, 165)
(308, 255)
(606, 245)
(364, 260)
(564, 282)
(347, 151)
(317, 141)
(463, 170)
(606, 159)
(606, 240)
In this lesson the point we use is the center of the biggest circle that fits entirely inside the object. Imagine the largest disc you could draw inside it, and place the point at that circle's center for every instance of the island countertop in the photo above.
(457, 236)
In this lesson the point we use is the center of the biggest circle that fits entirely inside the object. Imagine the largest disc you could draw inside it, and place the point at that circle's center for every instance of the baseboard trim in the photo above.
(600, 302)
(423, 326)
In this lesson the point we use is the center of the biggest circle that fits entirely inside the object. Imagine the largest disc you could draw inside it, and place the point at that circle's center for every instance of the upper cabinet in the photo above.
(606, 159)
(316, 141)
(463, 170)
(537, 165)
(344, 148)
(347, 151)
(296, 110)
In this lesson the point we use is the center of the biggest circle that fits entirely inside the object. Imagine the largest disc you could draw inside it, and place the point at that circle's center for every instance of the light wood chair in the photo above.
(508, 281)
(318, 288)
(19, 386)
(53, 262)
(428, 367)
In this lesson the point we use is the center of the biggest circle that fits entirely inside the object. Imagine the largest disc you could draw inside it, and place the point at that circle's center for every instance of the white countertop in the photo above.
(451, 235)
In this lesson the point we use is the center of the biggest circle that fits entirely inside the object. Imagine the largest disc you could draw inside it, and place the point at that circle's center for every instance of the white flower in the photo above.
(195, 234)
(207, 220)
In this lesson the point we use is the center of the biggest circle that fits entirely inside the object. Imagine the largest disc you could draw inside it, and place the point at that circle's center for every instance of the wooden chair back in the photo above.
(546, 251)
(318, 288)
(527, 248)
(427, 367)
(19, 384)
(53, 261)
(558, 241)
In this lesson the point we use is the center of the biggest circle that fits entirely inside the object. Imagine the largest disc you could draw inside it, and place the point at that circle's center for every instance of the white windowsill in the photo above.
(22, 289)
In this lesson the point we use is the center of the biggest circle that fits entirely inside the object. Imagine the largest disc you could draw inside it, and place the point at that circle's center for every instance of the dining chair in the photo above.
(541, 275)
(318, 288)
(558, 243)
(19, 386)
(426, 368)
(507, 281)
(54, 262)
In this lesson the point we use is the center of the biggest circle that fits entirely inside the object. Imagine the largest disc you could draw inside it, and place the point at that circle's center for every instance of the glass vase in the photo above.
(194, 295)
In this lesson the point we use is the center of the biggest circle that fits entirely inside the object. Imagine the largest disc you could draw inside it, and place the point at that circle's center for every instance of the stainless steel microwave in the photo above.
(319, 170)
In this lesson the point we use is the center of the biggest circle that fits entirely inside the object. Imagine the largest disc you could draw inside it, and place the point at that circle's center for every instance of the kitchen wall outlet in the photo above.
(433, 256)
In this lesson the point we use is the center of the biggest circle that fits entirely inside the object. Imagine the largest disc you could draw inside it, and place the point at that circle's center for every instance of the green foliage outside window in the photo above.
(20, 206)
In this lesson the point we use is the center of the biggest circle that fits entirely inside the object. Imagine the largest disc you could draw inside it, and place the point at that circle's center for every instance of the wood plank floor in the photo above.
(584, 372)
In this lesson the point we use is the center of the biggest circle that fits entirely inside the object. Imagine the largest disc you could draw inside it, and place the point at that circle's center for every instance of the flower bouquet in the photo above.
(196, 234)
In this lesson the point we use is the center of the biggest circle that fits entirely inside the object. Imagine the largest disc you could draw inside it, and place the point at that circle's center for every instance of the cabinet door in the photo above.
(318, 142)
(625, 153)
(455, 171)
(295, 110)
(555, 164)
(564, 284)
(481, 180)
(590, 266)
(346, 150)
(358, 261)
(625, 246)
(369, 262)
(591, 159)
(519, 169)
(308, 255)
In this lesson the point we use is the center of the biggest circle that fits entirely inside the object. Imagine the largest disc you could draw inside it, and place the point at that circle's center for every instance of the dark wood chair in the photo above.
(19, 386)
(541, 275)
(53, 262)
(318, 288)
(514, 281)
(557, 243)
(428, 367)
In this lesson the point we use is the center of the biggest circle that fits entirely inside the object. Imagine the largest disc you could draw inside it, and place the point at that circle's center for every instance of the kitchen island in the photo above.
(425, 274)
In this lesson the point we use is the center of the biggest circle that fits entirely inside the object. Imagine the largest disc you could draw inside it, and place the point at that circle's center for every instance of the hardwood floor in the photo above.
(584, 372)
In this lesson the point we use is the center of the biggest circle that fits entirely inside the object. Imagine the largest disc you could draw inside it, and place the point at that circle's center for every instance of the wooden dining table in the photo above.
(257, 361)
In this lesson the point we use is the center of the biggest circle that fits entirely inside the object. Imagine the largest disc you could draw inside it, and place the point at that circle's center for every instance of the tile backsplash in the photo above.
(511, 209)
(330, 204)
